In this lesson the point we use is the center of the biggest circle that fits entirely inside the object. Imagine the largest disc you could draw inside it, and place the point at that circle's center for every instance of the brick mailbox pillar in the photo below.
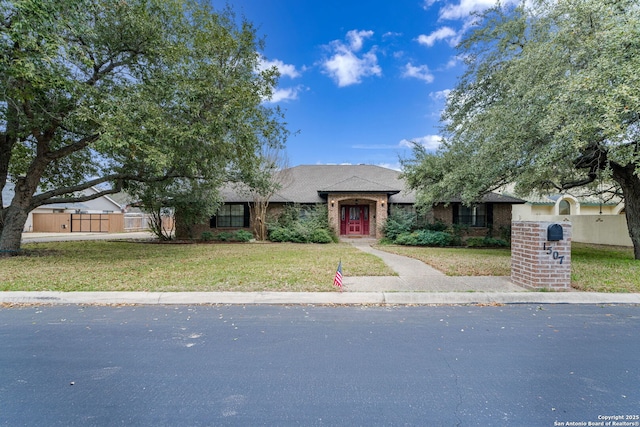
(541, 255)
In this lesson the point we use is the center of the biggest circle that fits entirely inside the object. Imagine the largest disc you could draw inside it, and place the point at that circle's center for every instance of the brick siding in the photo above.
(537, 263)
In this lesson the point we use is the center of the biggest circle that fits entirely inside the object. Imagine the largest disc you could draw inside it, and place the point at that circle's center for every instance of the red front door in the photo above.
(354, 220)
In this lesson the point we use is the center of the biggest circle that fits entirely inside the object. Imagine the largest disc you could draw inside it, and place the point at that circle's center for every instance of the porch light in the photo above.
(333, 202)
(382, 204)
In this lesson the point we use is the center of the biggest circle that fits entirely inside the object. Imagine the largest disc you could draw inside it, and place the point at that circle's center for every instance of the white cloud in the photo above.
(462, 9)
(285, 94)
(287, 70)
(420, 72)
(356, 39)
(440, 95)
(428, 3)
(391, 34)
(443, 33)
(453, 61)
(430, 142)
(394, 166)
(345, 66)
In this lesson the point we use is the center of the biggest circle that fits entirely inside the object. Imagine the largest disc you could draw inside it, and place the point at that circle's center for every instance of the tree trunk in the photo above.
(14, 218)
(258, 218)
(630, 184)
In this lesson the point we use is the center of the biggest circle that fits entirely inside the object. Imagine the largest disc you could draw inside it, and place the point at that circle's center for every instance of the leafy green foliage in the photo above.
(243, 236)
(206, 236)
(437, 225)
(302, 225)
(320, 235)
(227, 236)
(397, 223)
(425, 238)
(550, 101)
(125, 95)
(486, 242)
(402, 228)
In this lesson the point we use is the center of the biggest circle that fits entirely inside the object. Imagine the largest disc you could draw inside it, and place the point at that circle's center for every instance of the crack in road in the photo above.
(457, 389)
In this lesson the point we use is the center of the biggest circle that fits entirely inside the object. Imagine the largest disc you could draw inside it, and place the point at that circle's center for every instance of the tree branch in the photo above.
(573, 184)
(116, 189)
(48, 196)
(72, 148)
(51, 196)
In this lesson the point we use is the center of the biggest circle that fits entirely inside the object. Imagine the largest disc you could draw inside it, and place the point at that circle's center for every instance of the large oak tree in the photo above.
(550, 101)
(122, 94)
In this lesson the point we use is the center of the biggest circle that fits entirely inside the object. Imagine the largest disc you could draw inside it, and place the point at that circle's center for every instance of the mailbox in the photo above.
(554, 232)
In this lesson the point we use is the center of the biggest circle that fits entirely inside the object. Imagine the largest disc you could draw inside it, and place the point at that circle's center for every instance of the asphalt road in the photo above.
(513, 365)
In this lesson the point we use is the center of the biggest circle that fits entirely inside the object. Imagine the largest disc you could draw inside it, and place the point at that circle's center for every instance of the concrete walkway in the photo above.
(416, 276)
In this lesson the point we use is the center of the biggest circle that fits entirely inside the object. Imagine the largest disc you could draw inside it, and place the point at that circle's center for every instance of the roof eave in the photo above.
(324, 193)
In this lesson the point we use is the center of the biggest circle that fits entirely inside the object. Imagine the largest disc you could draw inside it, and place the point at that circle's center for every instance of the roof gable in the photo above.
(308, 183)
(358, 184)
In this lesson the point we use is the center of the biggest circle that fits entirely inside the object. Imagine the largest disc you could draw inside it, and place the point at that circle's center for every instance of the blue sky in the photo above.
(360, 79)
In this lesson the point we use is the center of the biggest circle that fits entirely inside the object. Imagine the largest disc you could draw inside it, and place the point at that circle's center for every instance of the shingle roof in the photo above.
(312, 183)
(308, 183)
(355, 183)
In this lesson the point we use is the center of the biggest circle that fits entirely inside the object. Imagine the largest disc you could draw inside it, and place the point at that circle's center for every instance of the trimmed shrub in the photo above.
(438, 225)
(320, 235)
(206, 236)
(243, 236)
(302, 225)
(433, 238)
(486, 242)
(279, 234)
(399, 222)
(225, 236)
(425, 238)
(406, 239)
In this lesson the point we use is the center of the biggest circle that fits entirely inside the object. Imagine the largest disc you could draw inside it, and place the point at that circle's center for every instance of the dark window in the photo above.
(473, 216)
(564, 208)
(233, 215)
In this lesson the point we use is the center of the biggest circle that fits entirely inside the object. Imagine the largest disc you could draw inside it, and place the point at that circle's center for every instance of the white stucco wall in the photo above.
(599, 229)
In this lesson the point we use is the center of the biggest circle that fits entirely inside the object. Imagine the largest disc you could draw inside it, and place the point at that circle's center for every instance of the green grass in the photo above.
(595, 268)
(130, 266)
(458, 261)
(598, 268)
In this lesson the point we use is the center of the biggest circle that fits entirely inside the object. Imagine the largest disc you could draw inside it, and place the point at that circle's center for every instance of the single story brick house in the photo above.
(359, 199)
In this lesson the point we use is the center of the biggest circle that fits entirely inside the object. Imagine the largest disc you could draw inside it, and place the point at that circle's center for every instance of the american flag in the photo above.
(337, 281)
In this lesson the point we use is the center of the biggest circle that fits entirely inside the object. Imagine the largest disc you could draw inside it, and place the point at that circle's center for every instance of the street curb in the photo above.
(320, 298)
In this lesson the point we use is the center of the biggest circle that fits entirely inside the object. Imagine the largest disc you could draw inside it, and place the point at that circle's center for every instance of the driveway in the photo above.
(65, 237)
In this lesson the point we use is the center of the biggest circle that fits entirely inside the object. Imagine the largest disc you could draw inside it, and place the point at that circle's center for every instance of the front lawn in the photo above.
(599, 268)
(131, 266)
(595, 268)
